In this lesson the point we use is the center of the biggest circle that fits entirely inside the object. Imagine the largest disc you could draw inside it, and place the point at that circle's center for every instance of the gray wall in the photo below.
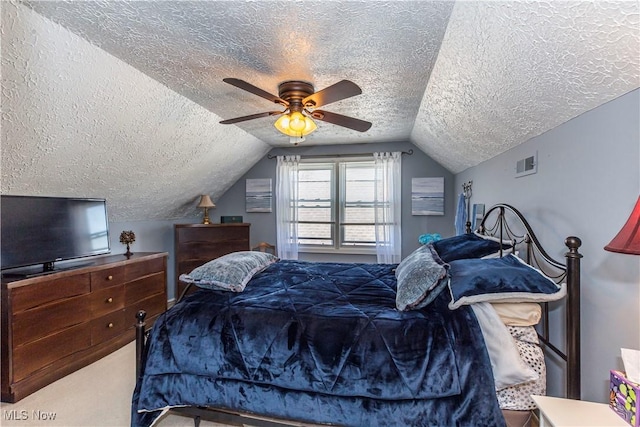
(588, 181)
(263, 225)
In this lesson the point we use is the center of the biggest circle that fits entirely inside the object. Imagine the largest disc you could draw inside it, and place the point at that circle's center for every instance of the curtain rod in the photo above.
(319, 156)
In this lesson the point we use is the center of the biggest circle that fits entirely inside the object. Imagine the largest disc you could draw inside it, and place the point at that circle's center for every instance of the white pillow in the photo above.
(518, 313)
(508, 367)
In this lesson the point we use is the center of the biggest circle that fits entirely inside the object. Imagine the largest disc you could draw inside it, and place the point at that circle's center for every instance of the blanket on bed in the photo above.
(324, 331)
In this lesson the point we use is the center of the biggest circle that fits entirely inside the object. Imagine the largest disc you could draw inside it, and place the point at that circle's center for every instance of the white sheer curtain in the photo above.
(388, 205)
(287, 206)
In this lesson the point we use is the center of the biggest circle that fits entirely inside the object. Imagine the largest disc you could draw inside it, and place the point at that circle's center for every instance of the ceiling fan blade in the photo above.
(336, 92)
(255, 90)
(250, 117)
(340, 120)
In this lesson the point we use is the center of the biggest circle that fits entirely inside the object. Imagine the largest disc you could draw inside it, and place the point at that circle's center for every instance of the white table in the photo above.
(557, 412)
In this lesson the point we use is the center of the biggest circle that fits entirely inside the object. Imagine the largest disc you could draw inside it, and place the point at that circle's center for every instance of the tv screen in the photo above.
(43, 230)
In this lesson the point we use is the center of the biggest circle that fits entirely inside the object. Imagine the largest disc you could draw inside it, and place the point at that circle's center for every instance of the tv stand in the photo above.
(59, 321)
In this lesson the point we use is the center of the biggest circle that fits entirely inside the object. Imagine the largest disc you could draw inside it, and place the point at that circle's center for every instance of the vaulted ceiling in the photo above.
(123, 99)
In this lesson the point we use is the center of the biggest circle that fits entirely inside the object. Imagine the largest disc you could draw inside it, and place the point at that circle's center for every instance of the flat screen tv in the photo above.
(37, 230)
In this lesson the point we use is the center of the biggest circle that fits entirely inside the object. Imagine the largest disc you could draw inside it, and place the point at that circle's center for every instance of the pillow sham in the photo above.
(230, 272)
(420, 278)
(506, 279)
(518, 313)
(469, 245)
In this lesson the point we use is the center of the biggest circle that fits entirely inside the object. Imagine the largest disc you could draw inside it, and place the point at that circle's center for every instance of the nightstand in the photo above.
(557, 412)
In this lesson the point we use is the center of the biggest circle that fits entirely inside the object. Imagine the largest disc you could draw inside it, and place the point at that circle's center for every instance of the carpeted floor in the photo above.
(98, 395)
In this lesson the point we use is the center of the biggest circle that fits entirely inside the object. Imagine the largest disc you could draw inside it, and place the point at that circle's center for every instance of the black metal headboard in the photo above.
(507, 223)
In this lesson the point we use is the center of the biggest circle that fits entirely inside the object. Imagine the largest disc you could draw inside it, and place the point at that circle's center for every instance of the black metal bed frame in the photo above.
(494, 223)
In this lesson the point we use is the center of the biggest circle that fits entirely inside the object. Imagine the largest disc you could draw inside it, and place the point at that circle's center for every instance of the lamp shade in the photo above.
(627, 241)
(205, 202)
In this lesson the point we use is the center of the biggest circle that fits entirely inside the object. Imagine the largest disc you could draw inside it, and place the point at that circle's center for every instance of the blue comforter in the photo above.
(323, 343)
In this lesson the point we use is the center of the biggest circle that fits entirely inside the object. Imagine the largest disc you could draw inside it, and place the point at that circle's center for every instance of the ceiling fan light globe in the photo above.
(297, 122)
(310, 126)
(283, 124)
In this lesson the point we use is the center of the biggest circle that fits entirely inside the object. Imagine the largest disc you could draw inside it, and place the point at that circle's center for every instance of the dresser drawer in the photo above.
(107, 300)
(140, 269)
(106, 278)
(38, 354)
(144, 288)
(214, 233)
(206, 251)
(26, 297)
(107, 327)
(44, 320)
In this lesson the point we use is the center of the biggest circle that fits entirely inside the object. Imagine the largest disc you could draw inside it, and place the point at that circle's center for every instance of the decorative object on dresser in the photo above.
(197, 244)
(127, 238)
(206, 203)
(235, 219)
(57, 323)
(627, 241)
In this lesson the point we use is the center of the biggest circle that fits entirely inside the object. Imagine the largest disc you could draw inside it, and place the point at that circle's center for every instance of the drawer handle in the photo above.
(109, 277)
(109, 300)
(110, 325)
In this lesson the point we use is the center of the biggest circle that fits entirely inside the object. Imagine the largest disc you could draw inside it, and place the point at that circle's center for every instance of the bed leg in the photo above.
(140, 326)
(196, 422)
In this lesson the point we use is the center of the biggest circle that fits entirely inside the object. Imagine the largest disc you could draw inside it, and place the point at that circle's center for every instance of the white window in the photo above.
(336, 205)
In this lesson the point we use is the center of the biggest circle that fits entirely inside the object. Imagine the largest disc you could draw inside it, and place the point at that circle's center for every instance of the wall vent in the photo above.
(527, 166)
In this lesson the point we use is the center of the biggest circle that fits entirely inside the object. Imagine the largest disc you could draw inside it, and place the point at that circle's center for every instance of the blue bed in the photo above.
(322, 343)
(355, 344)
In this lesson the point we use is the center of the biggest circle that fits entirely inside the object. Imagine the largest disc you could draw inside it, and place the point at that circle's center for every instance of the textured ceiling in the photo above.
(141, 84)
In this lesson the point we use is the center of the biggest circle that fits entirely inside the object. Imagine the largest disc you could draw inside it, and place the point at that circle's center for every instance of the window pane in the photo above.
(316, 183)
(315, 234)
(358, 182)
(359, 234)
(315, 214)
(363, 213)
(315, 204)
(357, 200)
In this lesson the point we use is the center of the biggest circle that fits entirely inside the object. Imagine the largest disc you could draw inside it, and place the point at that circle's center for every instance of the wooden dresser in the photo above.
(57, 323)
(196, 244)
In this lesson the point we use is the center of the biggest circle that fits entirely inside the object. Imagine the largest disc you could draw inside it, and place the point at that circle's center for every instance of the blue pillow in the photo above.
(230, 272)
(420, 278)
(469, 245)
(506, 279)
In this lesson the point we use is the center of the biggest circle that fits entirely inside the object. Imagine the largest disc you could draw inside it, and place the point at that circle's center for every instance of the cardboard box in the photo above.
(623, 398)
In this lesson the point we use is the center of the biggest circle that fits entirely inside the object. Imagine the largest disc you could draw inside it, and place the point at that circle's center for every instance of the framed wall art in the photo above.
(427, 196)
(258, 195)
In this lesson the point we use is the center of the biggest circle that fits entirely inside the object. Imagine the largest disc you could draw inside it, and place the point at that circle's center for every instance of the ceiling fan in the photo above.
(300, 102)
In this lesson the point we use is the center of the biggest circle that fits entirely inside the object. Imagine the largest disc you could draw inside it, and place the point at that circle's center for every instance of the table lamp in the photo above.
(206, 203)
(627, 241)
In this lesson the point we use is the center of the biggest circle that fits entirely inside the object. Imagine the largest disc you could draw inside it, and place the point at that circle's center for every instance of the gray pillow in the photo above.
(230, 272)
(420, 278)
